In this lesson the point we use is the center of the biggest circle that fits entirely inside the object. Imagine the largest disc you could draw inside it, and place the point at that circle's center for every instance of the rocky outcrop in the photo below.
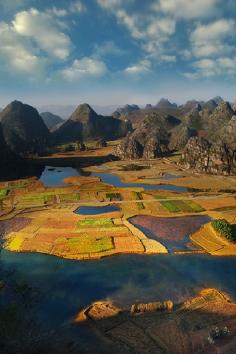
(214, 158)
(234, 106)
(180, 136)
(128, 108)
(210, 105)
(152, 307)
(149, 140)
(85, 124)
(23, 129)
(226, 134)
(220, 117)
(165, 104)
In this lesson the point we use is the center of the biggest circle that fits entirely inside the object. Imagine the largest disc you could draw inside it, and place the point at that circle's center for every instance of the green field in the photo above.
(36, 198)
(88, 244)
(138, 196)
(175, 206)
(113, 196)
(95, 222)
(70, 197)
(3, 193)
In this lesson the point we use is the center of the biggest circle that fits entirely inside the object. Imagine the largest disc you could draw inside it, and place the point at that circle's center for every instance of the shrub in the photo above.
(224, 228)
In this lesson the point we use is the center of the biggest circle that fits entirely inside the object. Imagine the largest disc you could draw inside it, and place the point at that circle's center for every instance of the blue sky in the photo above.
(116, 51)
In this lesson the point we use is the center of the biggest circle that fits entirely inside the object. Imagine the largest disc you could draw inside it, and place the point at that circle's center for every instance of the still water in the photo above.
(67, 286)
(54, 176)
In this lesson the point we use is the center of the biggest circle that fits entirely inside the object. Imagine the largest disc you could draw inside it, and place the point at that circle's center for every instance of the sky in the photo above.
(109, 52)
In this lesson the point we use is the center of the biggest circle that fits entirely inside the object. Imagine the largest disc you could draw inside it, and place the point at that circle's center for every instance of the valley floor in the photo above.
(38, 218)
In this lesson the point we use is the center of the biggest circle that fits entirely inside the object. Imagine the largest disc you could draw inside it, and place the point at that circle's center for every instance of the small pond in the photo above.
(54, 176)
(96, 210)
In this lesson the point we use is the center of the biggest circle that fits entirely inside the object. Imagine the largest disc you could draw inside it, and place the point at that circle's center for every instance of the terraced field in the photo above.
(188, 206)
(53, 227)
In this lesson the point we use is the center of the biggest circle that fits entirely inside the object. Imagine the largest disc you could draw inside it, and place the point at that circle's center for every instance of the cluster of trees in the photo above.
(225, 229)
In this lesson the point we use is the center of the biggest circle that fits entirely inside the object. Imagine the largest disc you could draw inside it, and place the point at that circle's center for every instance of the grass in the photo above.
(226, 208)
(158, 196)
(113, 196)
(18, 184)
(37, 198)
(187, 206)
(95, 222)
(170, 206)
(3, 193)
(88, 244)
(70, 197)
(138, 196)
(224, 229)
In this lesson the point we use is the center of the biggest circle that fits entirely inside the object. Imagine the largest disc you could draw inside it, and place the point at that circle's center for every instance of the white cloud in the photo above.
(57, 12)
(77, 6)
(225, 66)
(141, 67)
(187, 9)
(45, 30)
(85, 67)
(17, 54)
(151, 32)
(209, 40)
(111, 4)
(108, 48)
(168, 58)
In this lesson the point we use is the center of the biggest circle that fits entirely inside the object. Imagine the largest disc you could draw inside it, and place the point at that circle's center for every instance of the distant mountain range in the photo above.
(85, 123)
(51, 120)
(148, 132)
(65, 111)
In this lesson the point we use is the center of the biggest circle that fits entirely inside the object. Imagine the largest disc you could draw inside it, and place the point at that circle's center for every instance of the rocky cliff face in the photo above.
(86, 124)
(214, 158)
(128, 108)
(180, 136)
(149, 140)
(23, 129)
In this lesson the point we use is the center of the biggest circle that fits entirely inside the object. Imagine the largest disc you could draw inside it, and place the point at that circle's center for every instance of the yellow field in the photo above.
(208, 239)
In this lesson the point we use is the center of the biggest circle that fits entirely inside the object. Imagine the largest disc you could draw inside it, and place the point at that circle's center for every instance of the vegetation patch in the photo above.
(170, 206)
(226, 208)
(225, 229)
(70, 197)
(134, 167)
(87, 244)
(113, 196)
(187, 206)
(38, 198)
(18, 184)
(95, 222)
(138, 196)
(3, 193)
